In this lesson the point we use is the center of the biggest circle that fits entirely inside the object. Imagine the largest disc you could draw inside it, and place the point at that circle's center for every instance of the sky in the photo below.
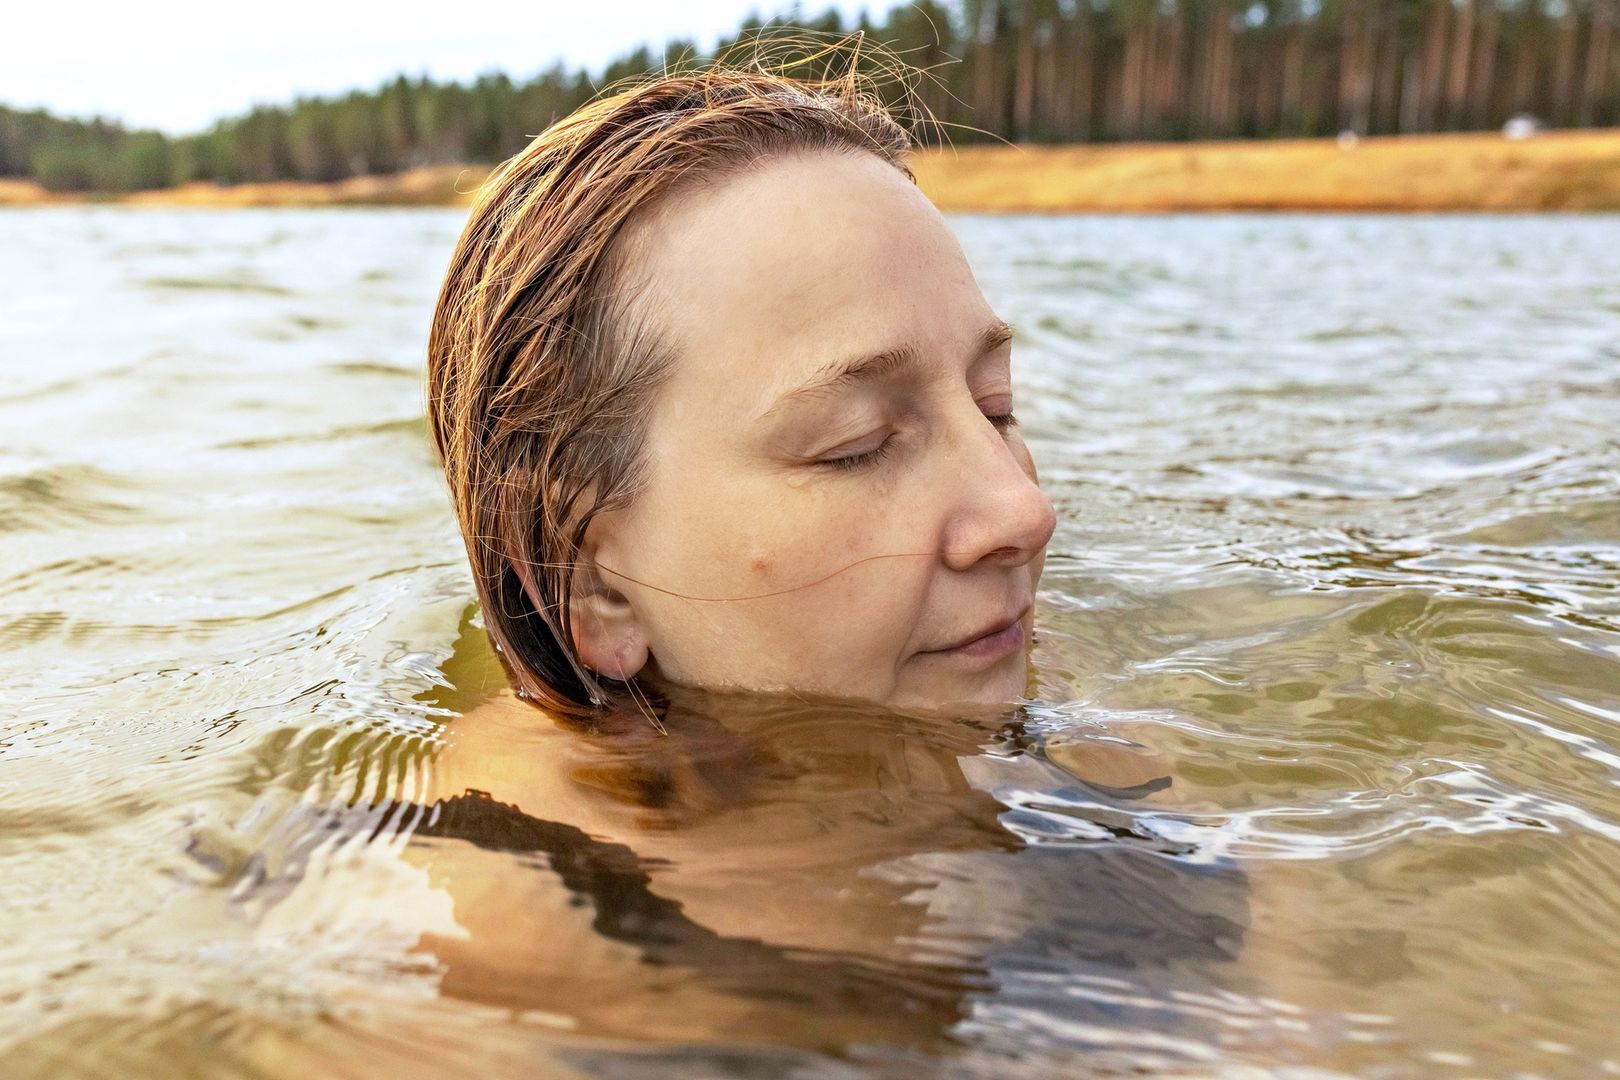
(179, 65)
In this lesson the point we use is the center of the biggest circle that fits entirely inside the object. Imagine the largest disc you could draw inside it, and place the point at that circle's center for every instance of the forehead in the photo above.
(766, 276)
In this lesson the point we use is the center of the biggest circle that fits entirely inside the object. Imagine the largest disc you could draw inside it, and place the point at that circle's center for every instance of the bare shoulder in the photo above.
(508, 750)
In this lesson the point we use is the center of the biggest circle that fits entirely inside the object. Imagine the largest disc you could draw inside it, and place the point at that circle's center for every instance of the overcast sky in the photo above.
(178, 65)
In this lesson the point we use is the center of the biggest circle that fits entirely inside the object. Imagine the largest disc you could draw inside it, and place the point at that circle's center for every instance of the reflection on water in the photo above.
(1322, 771)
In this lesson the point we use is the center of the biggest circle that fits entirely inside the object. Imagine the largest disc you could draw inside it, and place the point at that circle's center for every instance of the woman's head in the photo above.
(722, 405)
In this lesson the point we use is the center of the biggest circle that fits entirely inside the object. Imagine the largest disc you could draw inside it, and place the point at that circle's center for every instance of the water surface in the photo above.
(1338, 553)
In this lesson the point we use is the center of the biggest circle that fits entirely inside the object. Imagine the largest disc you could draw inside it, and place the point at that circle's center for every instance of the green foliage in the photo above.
(1027, 70)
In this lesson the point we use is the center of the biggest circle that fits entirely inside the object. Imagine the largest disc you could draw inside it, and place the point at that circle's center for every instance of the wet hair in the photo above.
(541, 366)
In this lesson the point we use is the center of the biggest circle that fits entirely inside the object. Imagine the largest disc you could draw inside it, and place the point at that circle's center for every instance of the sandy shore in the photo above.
(1566, 170)
(1576, 170)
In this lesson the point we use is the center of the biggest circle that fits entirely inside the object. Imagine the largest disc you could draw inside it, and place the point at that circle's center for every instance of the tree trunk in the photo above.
(1563, 100)
(1386, 94)
(1065, 69)
(1529, 47)
(1480, 114)
(1462, 53)
(1084, 77)
(1154, 107)
(1024, 72)
(1267, 96)
(1045, 78)
(1434, 66)
(1349, 31)
(1599, 57)
(1412, 93)
(982, 46)
(1170, 80)
(1128, 105)
(1220, 68)
(1293, 81)
(1362, 56)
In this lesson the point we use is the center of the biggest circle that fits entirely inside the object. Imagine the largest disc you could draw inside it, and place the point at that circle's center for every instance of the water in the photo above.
(1338, 554)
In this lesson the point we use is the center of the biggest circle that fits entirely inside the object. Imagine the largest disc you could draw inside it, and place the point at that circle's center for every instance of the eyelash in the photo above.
(856, 461)
(1004, 422)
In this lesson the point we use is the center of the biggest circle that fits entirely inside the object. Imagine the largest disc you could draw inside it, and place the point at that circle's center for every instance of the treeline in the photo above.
(1025, 70)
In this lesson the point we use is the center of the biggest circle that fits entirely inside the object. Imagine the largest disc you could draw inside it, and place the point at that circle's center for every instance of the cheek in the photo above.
(841, 586)
(796, 591)
(765, 578)
(839, 545)
(748, 546)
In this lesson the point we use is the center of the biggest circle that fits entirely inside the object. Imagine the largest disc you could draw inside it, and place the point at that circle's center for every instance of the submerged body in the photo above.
(850, 864)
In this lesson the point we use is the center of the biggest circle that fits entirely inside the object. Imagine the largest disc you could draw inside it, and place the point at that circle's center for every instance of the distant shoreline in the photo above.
(1577, 170)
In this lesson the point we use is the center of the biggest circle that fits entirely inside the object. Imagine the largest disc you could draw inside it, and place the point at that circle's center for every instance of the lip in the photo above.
(999, 640)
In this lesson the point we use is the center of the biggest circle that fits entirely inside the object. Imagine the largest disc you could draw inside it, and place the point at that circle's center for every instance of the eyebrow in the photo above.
(885, 362)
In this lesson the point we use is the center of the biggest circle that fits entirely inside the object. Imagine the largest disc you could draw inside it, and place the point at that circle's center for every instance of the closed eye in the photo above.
(998, 409)
(858, 460)
(1002, 422)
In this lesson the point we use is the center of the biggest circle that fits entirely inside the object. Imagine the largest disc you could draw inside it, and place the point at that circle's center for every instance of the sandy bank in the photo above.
(1567, 170)
(1552, 171)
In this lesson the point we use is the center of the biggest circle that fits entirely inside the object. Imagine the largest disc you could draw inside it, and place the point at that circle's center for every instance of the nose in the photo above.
(1000, 515)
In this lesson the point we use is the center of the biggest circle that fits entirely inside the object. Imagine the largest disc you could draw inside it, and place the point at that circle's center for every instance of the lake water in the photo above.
(1338, 553)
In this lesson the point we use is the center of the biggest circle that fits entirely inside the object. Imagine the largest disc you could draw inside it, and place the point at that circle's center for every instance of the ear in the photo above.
(608, 635)
(608, 638)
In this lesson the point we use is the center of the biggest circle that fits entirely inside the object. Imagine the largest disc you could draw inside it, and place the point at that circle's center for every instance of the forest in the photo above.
(1027, 71)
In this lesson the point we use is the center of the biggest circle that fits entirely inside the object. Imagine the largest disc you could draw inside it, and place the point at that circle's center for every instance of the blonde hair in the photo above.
(539, 371)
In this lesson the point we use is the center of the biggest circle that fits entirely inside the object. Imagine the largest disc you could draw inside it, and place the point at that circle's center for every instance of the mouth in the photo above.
(993, 642)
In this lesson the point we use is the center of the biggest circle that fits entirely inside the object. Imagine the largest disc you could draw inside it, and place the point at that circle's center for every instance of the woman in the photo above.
(722, 407)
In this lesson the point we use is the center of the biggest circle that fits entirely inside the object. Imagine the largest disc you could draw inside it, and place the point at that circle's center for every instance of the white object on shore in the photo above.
(1521, 126)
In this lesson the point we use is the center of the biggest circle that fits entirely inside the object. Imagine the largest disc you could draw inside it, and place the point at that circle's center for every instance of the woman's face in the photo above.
(836, 501)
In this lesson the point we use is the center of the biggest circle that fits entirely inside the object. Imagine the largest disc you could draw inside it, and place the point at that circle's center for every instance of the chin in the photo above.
(997, 693)
(990, 692)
